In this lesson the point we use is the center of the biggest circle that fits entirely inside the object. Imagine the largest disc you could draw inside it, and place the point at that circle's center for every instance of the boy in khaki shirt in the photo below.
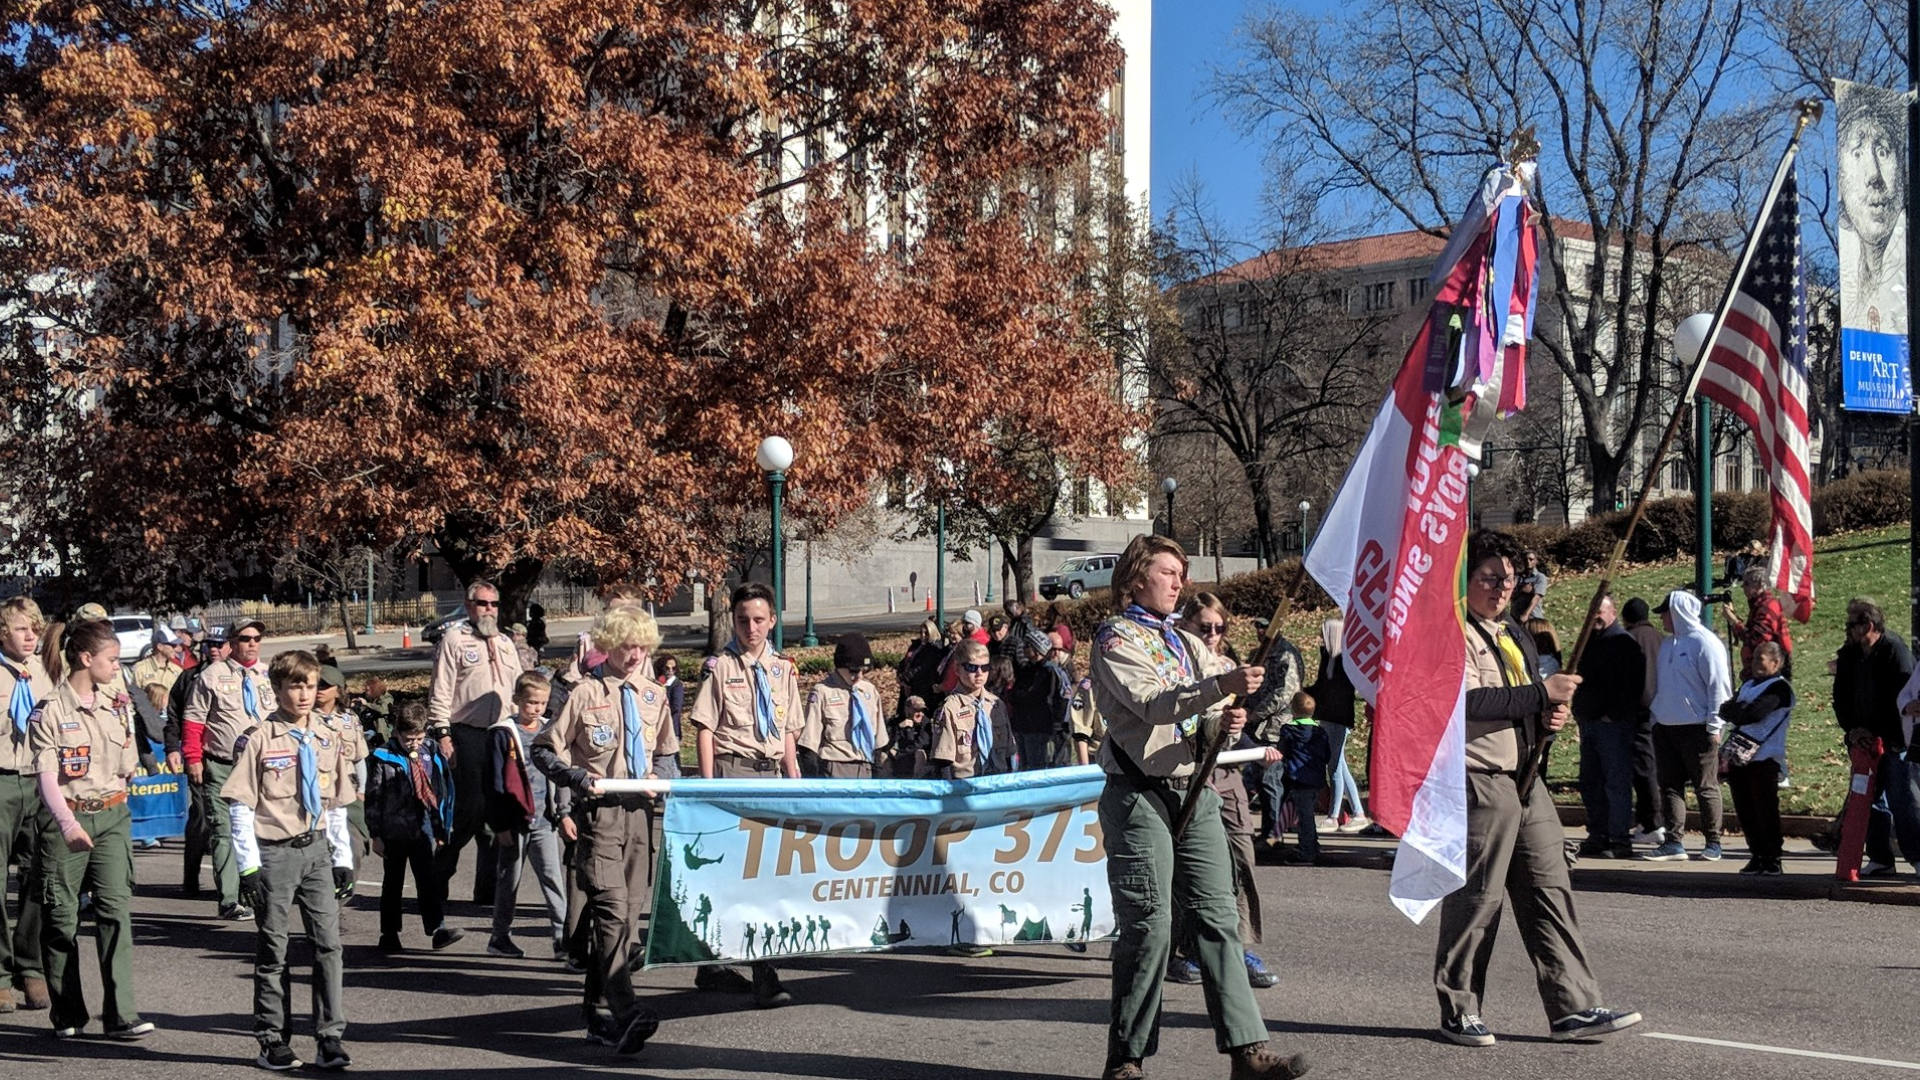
(288, 795)
(972, 735)
(845, 729)
(25, 688)
(746, 720)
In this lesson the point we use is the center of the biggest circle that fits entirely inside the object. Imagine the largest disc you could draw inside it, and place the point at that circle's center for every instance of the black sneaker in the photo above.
(446, 936)
(139, 1029)
(638, 1031)
(723, 979)
(767, 991)
(276, 1055)
(1755, 865)
(236, 913)
(332, 1054)
(1772, 868)
(1468, 1030)
(602, 1032)
(1596, 1021)
(505, 947)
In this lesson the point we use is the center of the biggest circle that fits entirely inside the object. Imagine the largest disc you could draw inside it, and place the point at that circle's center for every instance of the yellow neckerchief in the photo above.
(1516, 661)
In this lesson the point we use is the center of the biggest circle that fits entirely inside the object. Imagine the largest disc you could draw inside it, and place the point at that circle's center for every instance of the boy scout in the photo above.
(83, 753)
(1153, 683)
(972, 734)
(345, 726)
(288, 795)
(844, 730)
(747, 719)
(230, 697)
(606, 731)
(473, 675)
(26, 688)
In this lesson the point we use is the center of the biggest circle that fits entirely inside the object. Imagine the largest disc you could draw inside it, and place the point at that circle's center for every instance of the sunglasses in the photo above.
(1211, 629)
(1490, 582)
(248, 637)
(483, 603)
(975, 667)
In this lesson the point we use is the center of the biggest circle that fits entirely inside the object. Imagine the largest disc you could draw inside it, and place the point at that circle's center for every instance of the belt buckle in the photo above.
(92, 805)
(302, 840)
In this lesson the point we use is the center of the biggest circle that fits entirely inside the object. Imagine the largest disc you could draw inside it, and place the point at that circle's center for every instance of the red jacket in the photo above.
(1766, 621)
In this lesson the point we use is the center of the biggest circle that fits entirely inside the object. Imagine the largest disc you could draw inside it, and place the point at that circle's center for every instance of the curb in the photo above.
(1795, 826)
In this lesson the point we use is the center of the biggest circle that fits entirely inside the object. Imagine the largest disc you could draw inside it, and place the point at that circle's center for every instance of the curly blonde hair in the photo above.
(625, 624)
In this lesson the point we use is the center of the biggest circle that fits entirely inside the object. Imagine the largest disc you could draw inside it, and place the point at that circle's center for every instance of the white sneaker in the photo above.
(1356, 824)
(1654, 837)
(1875, 869)
(1329, 824)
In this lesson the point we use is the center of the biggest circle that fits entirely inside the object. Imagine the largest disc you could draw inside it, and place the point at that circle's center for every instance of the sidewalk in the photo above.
(1808, 876)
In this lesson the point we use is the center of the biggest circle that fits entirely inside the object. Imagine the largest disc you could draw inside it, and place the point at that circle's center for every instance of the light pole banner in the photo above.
(757, 870)
(1873, 247)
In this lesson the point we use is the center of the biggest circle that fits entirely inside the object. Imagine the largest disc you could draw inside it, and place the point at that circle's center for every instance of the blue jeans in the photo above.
(1606, 778)
(1304, 800)
(1895, 817)
(1344, 787)
(1273, 791)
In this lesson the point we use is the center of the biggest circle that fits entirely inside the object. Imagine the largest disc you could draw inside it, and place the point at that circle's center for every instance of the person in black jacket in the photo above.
(410, 816)
(1760, 710)
(1868, 672)
(1607, 708)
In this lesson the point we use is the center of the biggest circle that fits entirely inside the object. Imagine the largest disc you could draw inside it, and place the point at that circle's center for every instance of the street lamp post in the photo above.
(369, 589)
(811, 639)
(1306, 533)
(1170, 485)
(1688, 339)
(774, 457)
(940, 562)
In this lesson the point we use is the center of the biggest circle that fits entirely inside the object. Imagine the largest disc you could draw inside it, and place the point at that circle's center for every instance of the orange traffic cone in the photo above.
(406, 637)
(929, 601)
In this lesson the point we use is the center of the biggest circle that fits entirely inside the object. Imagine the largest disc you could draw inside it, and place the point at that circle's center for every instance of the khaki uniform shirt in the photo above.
(669, 742)
(154, 670)
(266, 776)
(1492, 745)
(91, 749)
(1137, 688)
(953, 729)
(590, 733)
(724, 705)
(472, 679)
(346, 727)
(15, 753)
(218, 700)
(828, 731)
(1088, 725)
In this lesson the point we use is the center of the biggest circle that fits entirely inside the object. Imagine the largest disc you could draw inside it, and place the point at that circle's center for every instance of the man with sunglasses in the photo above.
(1869, 672)
(845, 729)
(229, 699)
(473, 675)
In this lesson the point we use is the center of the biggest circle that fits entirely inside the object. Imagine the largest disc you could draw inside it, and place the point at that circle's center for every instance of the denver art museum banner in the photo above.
(1873, 248)
(754, 870)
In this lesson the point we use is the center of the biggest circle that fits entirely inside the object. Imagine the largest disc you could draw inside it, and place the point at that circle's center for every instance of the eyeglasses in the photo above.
(247, 637)
(483, 603)
(974, 667)
(1211, 629)
(1491, 582)
(1852, 623)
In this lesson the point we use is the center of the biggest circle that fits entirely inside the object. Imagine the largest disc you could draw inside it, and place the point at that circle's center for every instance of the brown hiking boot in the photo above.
(35, 993)
(1123, 1070)
(1259, 1062)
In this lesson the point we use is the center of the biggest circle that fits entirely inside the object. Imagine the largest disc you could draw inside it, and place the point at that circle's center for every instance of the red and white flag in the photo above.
(1757, 367)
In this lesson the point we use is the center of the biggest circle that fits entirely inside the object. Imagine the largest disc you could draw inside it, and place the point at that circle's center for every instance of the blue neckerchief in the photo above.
(1163, 627)
(636, 743)
(860, 731)
(982, 732)
(20, 708)
(249, 698)
(309, 777)
(763, 726)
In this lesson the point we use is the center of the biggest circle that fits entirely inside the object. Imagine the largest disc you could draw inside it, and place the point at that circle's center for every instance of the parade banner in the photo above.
(159, 806)
(1873, 248)
(754, 870)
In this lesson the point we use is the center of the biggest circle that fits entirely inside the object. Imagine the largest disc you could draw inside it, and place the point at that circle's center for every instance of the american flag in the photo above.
(1757, 367)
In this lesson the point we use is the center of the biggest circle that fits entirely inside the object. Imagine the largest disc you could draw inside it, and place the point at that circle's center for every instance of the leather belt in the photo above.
(757, 764)
(302, 840)
(95, 806)
(217, 759)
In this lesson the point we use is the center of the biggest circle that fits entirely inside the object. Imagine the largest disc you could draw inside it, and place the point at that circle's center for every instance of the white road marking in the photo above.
(1781, 1050)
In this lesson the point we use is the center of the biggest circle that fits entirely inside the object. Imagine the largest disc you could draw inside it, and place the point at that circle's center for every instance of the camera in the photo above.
(1716, 598)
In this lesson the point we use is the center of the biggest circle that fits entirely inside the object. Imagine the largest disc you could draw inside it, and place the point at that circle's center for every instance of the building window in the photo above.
(1416, 290)
(1082, 498)
(1380, 296)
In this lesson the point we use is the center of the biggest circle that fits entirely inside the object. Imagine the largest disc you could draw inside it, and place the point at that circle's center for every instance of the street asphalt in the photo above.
(1769, 963)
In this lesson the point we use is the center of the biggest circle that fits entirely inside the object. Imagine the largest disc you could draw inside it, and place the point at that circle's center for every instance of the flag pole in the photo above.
(1809, 111)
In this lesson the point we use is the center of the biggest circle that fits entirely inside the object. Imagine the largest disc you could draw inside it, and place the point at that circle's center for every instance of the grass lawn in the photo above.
(1872, 563)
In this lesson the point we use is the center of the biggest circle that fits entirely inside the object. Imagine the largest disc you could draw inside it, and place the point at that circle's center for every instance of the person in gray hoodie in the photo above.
(1695, 680)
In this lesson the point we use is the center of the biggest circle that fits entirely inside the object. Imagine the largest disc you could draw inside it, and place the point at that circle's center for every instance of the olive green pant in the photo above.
(22, 820)
(1147, 870)
(219, 819)
(303, 877)
(107, 872)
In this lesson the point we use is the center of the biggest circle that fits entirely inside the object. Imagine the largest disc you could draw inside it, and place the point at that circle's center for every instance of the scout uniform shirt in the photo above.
(1494, 745)
(218, 700)
(266, 776)
(15, 754)
(89, 748)
(828, 730)
(472, 679)
(345, 726)
(590, 733)
(953, 735)
(153, 670)
(1151, 698)
(725, 705)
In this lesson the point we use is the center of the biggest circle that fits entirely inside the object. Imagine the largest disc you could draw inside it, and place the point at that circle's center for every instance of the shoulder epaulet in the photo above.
(240, 743)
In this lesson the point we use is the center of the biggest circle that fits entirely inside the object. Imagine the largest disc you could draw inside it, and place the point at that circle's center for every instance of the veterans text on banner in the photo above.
(754, 870)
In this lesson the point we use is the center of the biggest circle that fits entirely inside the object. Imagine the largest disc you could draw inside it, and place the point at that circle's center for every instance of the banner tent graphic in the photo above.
(753, 870)
(1872, 151)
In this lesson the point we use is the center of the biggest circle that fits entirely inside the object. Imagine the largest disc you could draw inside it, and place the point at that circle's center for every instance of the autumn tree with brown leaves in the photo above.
(529, 279)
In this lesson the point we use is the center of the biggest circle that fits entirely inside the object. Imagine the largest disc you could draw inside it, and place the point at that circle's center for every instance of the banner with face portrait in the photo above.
(1872, 152)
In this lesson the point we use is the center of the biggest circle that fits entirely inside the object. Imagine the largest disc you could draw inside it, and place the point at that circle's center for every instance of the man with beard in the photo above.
(473, 676)
(229, 699)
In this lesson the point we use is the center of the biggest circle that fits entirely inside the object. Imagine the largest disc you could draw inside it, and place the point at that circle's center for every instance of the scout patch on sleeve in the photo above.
(813, 697)
(1107, 638)
(278, 762)
(75, 761)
